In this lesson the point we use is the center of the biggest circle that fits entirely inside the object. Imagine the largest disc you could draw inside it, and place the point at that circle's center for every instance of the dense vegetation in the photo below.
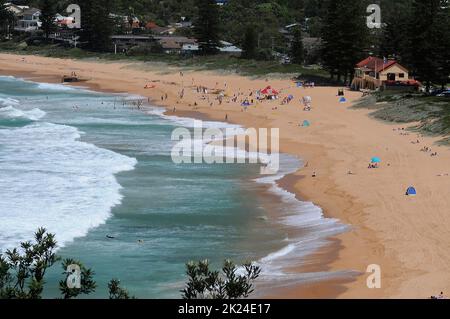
(415, 32)
(23, 270)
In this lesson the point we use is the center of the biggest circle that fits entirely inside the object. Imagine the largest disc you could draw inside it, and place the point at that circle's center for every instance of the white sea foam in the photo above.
(296, 213)
(55, 87)
(8, 102)
(10, 112)
(189, 122)
(221, 149)
(49, 178)
(89, 120)
(280, 253)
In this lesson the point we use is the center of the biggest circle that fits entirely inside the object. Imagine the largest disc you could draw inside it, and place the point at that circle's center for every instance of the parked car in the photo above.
(444, 94)
(435, 91)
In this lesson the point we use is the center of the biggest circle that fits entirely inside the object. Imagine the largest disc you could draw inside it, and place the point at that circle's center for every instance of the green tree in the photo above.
(443, 43)
(297, 9)
(87, 283)
(206, 27)
(117, 292)
(96, 24)
(204, 283)
(429, 29)
(48, 13)
(249, 48)
(344, 35)
(7, 20)
(297, 52)
(22, 274)
(396, 17)
(312, 8)
(22, 271)
(330, 55)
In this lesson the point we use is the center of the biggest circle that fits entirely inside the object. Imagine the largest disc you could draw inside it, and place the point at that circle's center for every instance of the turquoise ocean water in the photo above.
(87, 165)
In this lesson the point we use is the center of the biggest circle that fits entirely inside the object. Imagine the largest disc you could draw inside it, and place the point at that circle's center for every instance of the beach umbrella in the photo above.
(411, 191)
(306, 123)
(269, 91)
(291, 96)
(266, 90)
(376, 160)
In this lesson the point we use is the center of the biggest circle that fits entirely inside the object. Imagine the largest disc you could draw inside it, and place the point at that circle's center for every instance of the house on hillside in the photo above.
(229, 48)
(163, 30)
(373, 73)
(226, 48)
(16, 9)
(286, 31)
(29, 20)
(129, 24)
(174, 45)
(63, 21)
(168, 30)
(221, 2)
(124, 42)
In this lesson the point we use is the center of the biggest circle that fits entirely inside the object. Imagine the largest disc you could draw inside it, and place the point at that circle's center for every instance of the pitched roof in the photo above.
(170, 45)
(376, 64)
(181, 40)
(150, 25)
(31, 11)
(385, 66)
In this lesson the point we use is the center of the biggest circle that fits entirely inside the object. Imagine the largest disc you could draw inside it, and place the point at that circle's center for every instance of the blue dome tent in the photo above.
(411, 191)
(306, 123)
(342, 100)
(376, 160)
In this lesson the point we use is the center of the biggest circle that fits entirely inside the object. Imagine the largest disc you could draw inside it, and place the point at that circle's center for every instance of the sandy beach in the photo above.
(408, 237)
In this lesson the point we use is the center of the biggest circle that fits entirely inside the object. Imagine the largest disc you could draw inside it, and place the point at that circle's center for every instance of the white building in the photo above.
(226, 48)
(17, 10)
(29, 20)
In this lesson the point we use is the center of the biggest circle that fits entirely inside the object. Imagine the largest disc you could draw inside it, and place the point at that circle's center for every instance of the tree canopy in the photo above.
(414, 32)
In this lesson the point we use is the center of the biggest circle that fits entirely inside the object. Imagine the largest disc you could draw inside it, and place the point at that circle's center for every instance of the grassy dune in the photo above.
(432, 113)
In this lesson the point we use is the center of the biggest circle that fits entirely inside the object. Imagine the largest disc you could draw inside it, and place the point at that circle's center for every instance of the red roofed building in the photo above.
(151, 25)
(373, 72)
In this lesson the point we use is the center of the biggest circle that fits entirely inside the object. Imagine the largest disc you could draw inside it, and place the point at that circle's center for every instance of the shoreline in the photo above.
(313, 267)
(317, 259)
(373, 238)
